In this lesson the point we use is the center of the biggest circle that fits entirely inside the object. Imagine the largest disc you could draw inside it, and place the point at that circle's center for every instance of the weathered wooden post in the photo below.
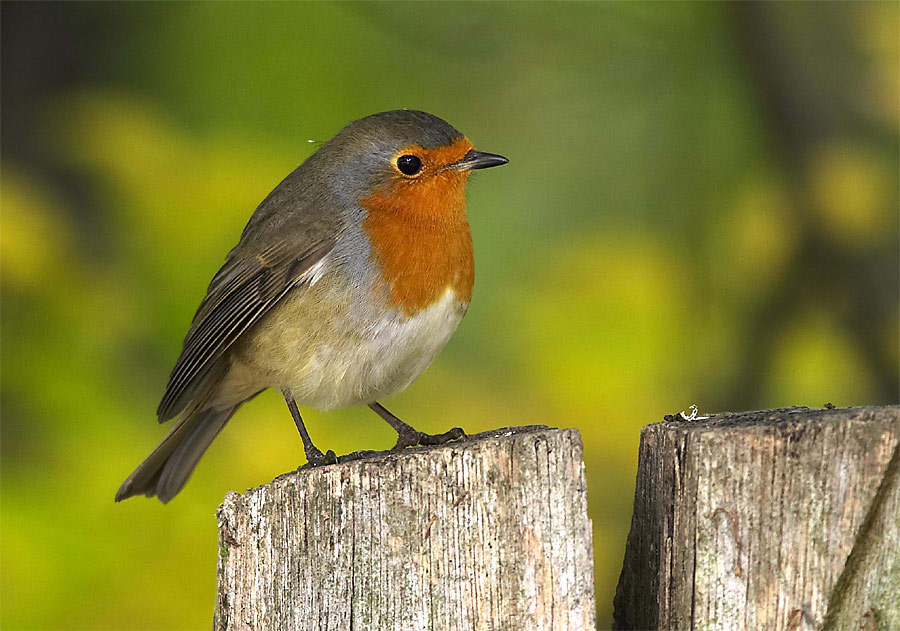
(786, 519)
(490, 533)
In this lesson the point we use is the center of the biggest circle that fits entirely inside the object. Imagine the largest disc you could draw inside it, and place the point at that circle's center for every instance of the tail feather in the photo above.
(168, 467)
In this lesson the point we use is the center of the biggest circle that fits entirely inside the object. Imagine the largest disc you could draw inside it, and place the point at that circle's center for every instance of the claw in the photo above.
(315, 458)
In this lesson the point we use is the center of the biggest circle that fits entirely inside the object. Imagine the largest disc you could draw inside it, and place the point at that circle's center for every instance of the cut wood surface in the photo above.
(488, 533)
(784, 519)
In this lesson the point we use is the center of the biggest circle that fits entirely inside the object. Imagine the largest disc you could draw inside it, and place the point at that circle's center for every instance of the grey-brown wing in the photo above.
(243, 290)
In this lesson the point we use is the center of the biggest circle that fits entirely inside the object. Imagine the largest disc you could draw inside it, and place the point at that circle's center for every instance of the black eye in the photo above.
(409, 165)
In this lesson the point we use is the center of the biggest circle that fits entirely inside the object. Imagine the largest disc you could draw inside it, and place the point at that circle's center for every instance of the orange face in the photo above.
(418, 231)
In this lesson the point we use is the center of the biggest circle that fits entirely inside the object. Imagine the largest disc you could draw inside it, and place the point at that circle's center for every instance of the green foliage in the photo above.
(694, 212)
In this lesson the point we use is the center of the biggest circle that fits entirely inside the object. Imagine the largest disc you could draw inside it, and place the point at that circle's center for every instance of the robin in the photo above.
(347, 281)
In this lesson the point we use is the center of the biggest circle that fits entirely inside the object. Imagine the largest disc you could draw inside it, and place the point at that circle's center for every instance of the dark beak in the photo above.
(478, 160)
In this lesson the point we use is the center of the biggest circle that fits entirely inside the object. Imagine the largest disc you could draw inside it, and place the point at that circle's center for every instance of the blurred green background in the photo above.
(701, 206)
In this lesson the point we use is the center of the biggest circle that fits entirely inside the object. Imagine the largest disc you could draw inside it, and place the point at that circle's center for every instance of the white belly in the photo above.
(337, 370)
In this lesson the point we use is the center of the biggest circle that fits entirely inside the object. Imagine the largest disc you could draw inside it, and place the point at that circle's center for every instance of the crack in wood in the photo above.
(863, 543)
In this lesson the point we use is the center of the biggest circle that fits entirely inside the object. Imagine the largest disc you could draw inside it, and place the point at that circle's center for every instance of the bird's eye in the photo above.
(409, 165)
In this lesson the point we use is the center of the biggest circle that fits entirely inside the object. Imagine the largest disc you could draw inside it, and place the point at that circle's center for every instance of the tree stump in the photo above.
(488, 533)
(785, 519)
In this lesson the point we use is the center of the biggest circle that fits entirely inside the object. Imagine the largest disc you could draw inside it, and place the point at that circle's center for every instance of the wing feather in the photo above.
(243, 290)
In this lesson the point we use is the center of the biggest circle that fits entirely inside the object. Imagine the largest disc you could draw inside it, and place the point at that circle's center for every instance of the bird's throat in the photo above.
(421, 241)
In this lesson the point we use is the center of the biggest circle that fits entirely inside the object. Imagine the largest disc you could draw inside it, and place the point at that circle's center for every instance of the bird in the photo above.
(347, 281)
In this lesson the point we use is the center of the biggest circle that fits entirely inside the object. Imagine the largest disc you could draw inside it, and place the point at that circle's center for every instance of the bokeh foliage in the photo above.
(701, 207)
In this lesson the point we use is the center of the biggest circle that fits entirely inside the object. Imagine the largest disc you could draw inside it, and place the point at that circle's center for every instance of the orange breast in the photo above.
(419, 233)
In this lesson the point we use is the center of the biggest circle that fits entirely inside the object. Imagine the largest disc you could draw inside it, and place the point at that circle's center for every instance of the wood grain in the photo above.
(785, 519)
(490, 533)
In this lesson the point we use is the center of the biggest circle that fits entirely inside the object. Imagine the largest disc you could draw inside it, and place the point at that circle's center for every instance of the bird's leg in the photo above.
(407, 436)
(313, 455)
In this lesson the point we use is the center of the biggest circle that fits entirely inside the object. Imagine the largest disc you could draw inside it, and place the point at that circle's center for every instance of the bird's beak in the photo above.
(478, 160)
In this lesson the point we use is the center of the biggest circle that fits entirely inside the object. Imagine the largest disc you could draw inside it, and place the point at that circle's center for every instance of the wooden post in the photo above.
(489, 533)
(785, 519)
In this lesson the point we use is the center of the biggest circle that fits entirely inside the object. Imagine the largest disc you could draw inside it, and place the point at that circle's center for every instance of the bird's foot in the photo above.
(409, 437)
(315, 457)
(359, 455)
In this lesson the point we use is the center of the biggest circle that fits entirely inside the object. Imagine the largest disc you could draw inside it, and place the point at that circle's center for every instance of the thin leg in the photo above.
(313, 455)
(407, 436)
